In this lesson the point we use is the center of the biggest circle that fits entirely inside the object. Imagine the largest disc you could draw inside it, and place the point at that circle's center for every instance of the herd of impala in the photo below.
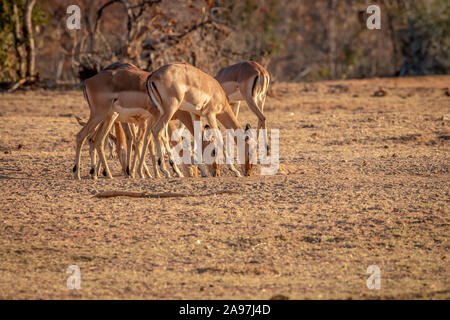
(142, 106)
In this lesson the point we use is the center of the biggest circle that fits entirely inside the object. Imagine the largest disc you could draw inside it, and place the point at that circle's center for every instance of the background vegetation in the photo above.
(297, 40)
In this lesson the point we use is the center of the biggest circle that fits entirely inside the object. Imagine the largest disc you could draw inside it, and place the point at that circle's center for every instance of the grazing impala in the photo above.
(181, 86)
(119, 93)
(128, 140)
(246, 81)
(119, 141)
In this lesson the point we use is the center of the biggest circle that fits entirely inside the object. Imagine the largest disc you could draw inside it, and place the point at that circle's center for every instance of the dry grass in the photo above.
(364, 180)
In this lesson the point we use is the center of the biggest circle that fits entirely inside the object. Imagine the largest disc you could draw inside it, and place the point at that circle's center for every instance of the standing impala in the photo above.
(127, 140)
(181, 86)
(116, 93)
(246, 81)
(119, 93)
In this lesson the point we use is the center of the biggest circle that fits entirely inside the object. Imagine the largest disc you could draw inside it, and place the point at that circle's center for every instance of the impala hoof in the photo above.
(166, 173)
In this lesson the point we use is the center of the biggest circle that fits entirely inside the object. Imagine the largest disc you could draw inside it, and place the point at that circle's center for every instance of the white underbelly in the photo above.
(186, 106)
(131, 115)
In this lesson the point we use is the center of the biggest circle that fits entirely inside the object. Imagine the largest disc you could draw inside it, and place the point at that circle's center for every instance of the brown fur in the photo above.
(177, 85)
(251, 80)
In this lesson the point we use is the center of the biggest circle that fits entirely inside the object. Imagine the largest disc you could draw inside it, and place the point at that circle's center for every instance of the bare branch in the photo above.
(143, 6)
(185, 33)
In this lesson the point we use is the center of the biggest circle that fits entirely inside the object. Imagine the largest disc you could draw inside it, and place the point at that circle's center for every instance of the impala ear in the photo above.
(207, 126)
(248, 126)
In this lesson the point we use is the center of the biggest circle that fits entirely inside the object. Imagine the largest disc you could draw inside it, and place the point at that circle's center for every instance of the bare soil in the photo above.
(364, 180)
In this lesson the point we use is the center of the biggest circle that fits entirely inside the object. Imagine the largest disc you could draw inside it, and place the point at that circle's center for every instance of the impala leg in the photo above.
(147, 172)
(147, 137)
(229, 121)
(256, 103)
(151, 149)
(247, 166)
(80, 139)
(203, 170)
(187, 119)
(138, 146)
(109, 143)
(138, 153)
(193, 168)
(232, 168)
(97, 169)
(172, 104)
(94, 161)
(129, 141)
(212, 120)
(169, 152)
(181, 139)
(93, 156)
(262, 122)
(100, 141)
(158, 132)
(190, 126)
(215, 165)
(159, 151)
(235, 107)
(193, 171)
(121, 145)
(136, 156)
(142, 132)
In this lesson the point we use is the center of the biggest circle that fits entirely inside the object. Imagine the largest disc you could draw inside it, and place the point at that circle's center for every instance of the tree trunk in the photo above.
(389, 9)
(332, 38)
(29, 37)
(18, 41)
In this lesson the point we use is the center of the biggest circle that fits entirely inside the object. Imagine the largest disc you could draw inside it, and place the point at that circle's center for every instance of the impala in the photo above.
(246, 81)
(119, 93)
(181, 86)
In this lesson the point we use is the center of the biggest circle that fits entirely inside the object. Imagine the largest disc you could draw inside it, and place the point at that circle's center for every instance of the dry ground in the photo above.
(364, 180)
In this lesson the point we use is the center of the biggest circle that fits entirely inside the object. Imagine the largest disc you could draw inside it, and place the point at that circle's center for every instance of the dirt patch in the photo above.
(363, 181)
